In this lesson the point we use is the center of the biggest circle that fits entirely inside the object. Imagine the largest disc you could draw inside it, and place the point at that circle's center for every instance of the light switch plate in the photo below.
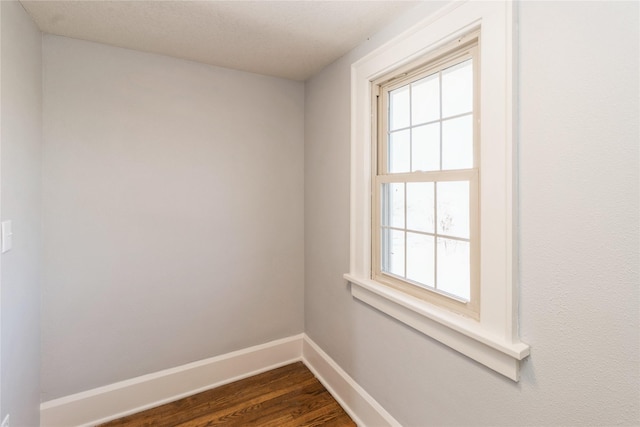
(7, 236)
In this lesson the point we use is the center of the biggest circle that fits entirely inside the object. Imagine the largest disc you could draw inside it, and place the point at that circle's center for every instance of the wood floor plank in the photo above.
(321, 408)
(233, 398)
(217, 399)
(289, 396)
(247, 410)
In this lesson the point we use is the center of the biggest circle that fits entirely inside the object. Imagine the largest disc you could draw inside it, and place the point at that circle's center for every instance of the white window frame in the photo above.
(464, 48)
(493, 339)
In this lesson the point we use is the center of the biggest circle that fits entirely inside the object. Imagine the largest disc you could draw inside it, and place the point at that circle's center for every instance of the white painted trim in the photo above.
(137, 394)
(361, 407)
(462, 334)
(493, 340)
(127, 397)
(1, 144)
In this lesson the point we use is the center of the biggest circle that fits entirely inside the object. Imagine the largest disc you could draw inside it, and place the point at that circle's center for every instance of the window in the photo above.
(433, 241)
(425, 179)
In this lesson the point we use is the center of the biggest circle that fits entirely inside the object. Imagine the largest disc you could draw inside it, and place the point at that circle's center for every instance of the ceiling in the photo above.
(290, 39)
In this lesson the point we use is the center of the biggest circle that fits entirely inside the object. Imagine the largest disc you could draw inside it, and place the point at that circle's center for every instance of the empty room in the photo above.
(430, 208)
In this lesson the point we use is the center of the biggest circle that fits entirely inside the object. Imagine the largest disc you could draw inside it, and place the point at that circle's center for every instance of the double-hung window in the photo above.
(425, 178)
(433, 194)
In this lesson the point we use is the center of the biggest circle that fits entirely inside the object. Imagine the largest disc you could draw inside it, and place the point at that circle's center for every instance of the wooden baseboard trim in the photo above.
(120, 399)
(137, 394)
(360, 406)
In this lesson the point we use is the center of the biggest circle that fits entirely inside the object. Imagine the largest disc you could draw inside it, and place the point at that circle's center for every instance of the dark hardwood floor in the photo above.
(285, 397)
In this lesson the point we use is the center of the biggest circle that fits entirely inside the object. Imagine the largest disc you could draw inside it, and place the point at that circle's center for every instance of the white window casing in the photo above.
(493, 339)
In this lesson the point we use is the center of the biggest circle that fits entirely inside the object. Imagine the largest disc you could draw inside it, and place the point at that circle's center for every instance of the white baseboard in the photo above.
(360, 406)
(137, 394)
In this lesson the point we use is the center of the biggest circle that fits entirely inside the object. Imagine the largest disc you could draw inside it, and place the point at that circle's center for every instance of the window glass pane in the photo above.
(425, 148)
(453, 208)
(400, 151)
(399, 108)
(393, 204)
(457, 143)
(457, 89)
(425, 226)
(420, 210)
(393, 251)
(425, 100)
(420, 259)
(454, 267)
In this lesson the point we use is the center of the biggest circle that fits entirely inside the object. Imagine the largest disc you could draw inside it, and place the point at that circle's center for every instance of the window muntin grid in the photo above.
(426, 228)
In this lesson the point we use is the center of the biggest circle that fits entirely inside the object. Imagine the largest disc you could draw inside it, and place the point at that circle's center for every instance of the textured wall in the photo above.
(21, 190)
(579, 249)
(173, 213)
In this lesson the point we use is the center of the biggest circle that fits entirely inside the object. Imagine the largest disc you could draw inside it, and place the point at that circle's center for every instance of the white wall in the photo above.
(579, 249)
(20, 177)
(173, 213)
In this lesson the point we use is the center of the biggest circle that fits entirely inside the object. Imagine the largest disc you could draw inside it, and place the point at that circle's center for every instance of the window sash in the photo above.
(381, 176)
(469, 308)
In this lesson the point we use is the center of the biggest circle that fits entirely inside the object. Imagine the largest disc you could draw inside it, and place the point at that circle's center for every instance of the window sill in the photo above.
(462, 334)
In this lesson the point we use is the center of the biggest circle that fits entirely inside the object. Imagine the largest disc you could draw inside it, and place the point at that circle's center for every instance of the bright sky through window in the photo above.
(425, 226)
